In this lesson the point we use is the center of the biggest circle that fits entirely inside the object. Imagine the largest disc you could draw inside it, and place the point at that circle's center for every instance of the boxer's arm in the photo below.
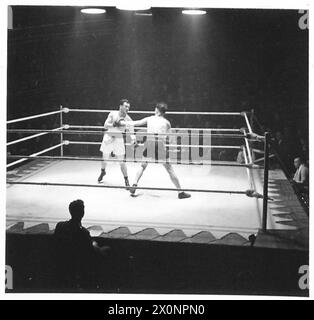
(171, 138)
(136, 123)
(132, 124)
(109, 121)
(131, 130)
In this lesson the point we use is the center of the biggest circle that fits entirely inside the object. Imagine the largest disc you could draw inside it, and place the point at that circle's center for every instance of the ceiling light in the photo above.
(145, 14)
(93, 11)
(194, 12)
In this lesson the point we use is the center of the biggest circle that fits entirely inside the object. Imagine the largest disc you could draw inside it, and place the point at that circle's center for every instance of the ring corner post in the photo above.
(61, 134)
(266, 173)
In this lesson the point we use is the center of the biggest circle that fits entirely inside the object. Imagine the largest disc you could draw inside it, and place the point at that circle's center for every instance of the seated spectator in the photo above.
(223, 155)
(75, 249)
(301, 176)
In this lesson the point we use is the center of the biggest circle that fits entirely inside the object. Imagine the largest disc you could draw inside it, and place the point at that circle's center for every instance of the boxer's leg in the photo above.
(138, 176)
(175, 181)
(119, 151)
(105, 157)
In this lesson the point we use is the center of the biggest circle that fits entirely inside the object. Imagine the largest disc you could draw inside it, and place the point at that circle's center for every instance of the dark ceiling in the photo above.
(228, 59)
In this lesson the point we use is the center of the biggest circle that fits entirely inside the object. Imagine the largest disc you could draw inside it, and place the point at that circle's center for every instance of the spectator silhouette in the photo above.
(280, 144)
(76, 250)
(303, 148)
(283, 149)
(301, 180)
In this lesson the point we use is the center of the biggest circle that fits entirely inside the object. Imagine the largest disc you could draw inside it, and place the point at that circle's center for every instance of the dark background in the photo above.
(226, 60)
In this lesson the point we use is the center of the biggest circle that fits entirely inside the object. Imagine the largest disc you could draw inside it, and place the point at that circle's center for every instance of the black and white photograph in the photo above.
(157, 149)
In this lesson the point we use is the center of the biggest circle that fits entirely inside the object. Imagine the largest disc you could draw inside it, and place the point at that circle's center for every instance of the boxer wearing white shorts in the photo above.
(113, 141)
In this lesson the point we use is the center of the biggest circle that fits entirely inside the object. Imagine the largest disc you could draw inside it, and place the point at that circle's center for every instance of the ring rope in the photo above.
(247, 122)
(258, 151)
(248, 150)
(251, 178)
(249, 174)
(99, 132)
(262, 159)
(124, 187)
(255, 137)
(31, 137)
(152, 112)
(191, 129)
(24, 158)
(209, 129)
(188, 162)
(168, 145)
(33, 117)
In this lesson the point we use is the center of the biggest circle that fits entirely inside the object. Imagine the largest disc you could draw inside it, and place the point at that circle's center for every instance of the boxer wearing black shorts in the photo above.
(157, 128)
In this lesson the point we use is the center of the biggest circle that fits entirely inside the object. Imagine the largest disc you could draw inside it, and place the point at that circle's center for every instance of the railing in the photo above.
(302, 197)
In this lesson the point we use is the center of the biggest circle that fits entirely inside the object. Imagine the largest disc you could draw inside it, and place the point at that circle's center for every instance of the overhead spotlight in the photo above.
(194, 12)
(93, 11)
(136, 6)
(143, 14)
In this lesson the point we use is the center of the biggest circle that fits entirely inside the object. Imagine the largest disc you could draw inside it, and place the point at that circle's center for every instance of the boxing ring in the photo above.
(229, 199)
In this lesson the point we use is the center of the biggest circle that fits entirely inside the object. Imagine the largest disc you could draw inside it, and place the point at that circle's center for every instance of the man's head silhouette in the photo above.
(76, 209)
